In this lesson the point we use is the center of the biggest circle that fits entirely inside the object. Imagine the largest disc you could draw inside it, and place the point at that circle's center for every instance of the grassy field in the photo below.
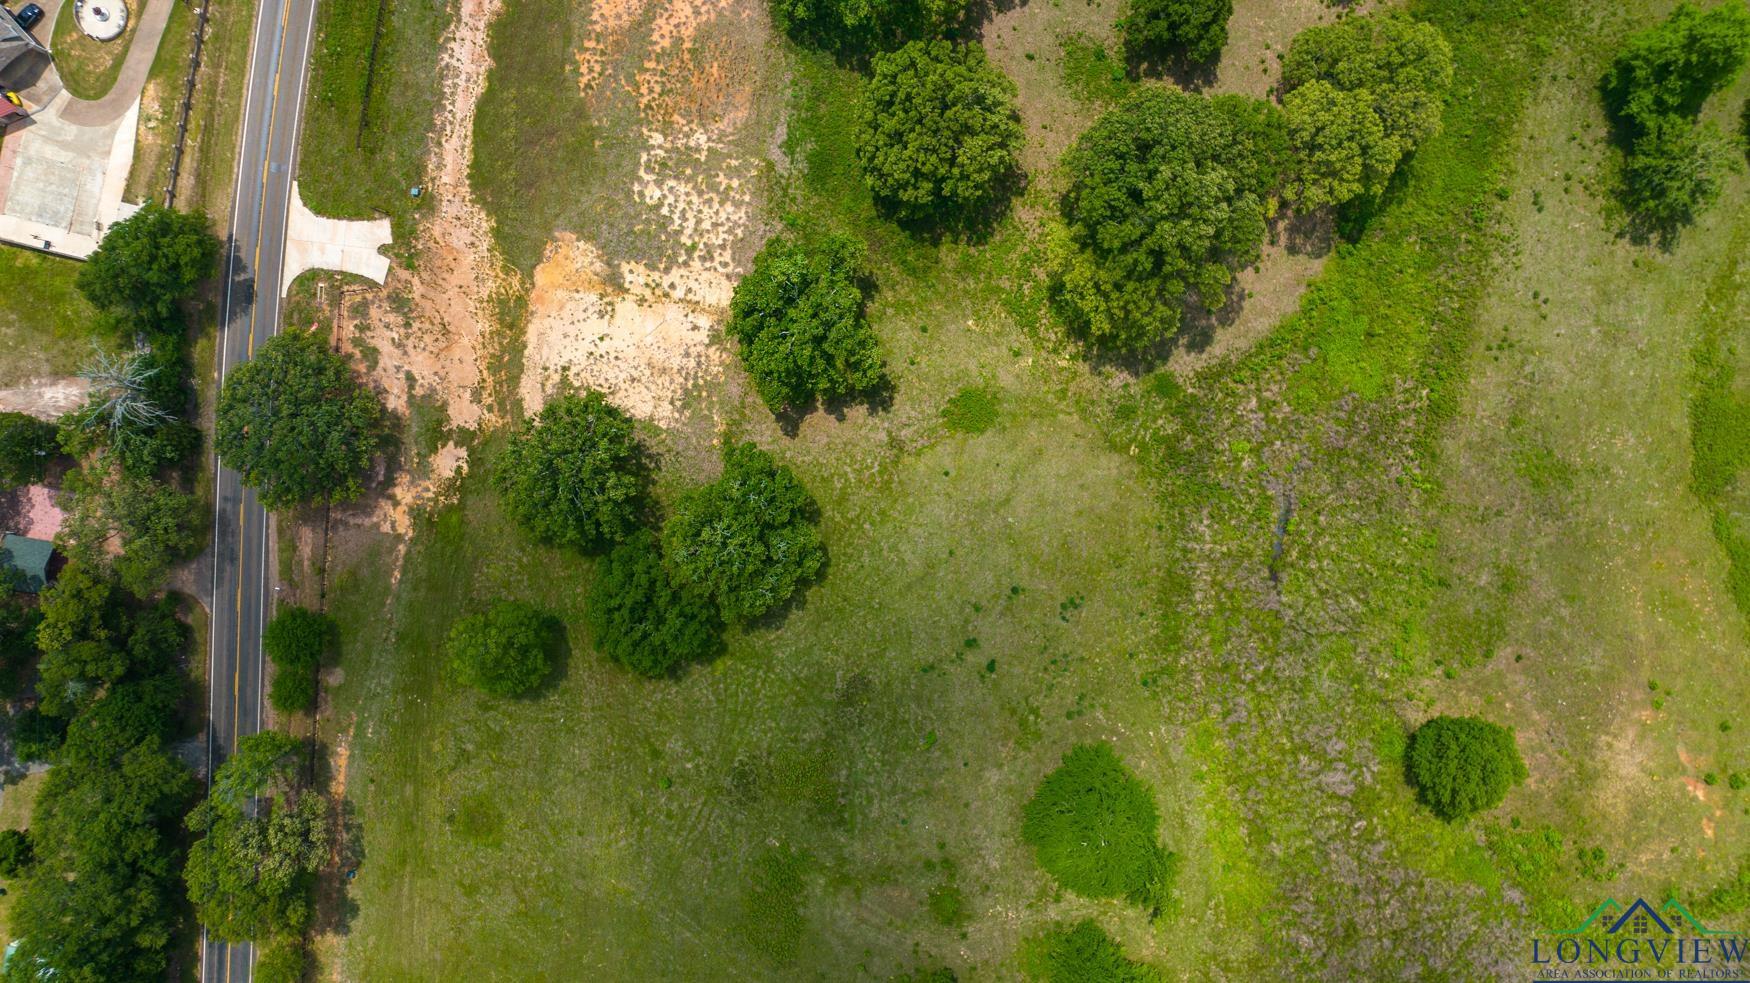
(45, 324)
(373, 100)
(89, 68)
(1458, 479)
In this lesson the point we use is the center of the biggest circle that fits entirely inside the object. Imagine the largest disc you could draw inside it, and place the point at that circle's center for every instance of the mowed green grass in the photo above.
(366, 129)
(1586, 599)
(45, 323)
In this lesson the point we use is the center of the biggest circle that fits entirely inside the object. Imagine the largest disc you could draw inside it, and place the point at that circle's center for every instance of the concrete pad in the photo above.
(63, 182)
(317, 243)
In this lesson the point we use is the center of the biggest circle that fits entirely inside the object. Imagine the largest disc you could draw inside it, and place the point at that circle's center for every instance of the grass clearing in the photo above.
(1252, 579)
(160, 105)
(15, 808)
(374, 99)
(45, 323)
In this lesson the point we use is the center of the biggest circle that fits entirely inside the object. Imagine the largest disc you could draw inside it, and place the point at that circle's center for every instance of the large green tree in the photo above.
(1670, 69)
(748, 539)
(1166, 196)
(149, 262)
(1175, 31)
(505, 650)
(799, 319)
(26, 447)
(640, 619)
(296, 425)
(577, 477)
(1399, 69)
(249, 874)
(1673, 172)
(937, 133)
(1463, 765)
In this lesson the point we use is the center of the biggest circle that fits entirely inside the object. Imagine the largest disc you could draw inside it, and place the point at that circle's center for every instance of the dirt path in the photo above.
(45, 399)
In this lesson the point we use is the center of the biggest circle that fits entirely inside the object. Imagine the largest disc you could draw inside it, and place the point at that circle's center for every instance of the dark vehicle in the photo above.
(28, 15)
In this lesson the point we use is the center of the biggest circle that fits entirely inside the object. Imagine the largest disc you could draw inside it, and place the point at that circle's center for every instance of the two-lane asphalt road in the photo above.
(272, 105)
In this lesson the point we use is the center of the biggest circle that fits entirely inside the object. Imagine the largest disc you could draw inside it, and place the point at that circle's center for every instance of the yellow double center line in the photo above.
(260, 219)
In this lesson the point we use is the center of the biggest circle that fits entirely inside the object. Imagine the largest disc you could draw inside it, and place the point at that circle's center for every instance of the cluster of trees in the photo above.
(1461, 766)
(734, 549)
(1094, 827)
(1170, 191)
(295, 424)
(297, 641)
(857, 28)
(96, 880)
(129, 505)
(1654, 90)
(261, 841)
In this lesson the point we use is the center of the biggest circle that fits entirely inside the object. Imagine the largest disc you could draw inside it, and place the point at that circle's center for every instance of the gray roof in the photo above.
(18, 49)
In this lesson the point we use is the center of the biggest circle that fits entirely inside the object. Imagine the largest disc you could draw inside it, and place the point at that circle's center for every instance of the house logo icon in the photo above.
(1618, 941)
(1640, 918)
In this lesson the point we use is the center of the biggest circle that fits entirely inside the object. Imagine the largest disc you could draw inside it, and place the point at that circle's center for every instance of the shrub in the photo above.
(27, 444)
(577, 477)
(937, 133)
(297, 640)
(149, 262)
(799, 319)
(295, 425)
(1167, 195)
(853, 27)
(1082, 953)
(1463, 765)
(640, 619)
(283, 960)
(748, 539)
(15, 852)
(1399, 69)
(1093, 826)
(504, 651)
(36, 735)
(971, 410)
(1670, 69)
(1176, 31)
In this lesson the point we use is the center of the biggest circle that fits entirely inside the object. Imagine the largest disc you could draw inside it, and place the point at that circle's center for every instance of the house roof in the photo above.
(17, 44)
(30, 557)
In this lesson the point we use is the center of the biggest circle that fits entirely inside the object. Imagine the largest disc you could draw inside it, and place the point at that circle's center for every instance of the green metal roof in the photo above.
(30, 557)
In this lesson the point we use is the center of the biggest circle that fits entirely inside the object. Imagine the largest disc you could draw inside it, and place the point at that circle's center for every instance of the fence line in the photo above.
(194, 64)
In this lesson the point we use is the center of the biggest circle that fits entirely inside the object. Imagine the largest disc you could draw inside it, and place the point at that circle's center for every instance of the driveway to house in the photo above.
(63, 171)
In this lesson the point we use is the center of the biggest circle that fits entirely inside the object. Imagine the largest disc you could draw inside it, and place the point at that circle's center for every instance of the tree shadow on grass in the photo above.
(877, 399)
(1198, 326)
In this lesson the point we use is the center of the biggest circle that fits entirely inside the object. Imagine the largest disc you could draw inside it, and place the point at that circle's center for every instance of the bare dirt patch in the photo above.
(45, 399)
(644, 329)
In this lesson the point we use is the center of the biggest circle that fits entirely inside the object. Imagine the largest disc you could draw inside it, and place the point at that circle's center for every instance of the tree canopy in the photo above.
(859, 27)
(1653, 91)
(937, 133)
(296, 425)
(296, 640)
(98, 902)
(248, 875)
(799, 319)
(505, 650)
(640, 619)
(1093, 826)
(1394, 68)
(577, 477)
(1182, 32)
(154, 524)
(149, 262)
(27, 445)
(1166, 197)
(1671, 68)
(1463, 765)
(748, 540)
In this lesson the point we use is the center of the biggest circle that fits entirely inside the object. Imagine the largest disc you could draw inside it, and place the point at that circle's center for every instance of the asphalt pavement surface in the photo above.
(242, 582)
